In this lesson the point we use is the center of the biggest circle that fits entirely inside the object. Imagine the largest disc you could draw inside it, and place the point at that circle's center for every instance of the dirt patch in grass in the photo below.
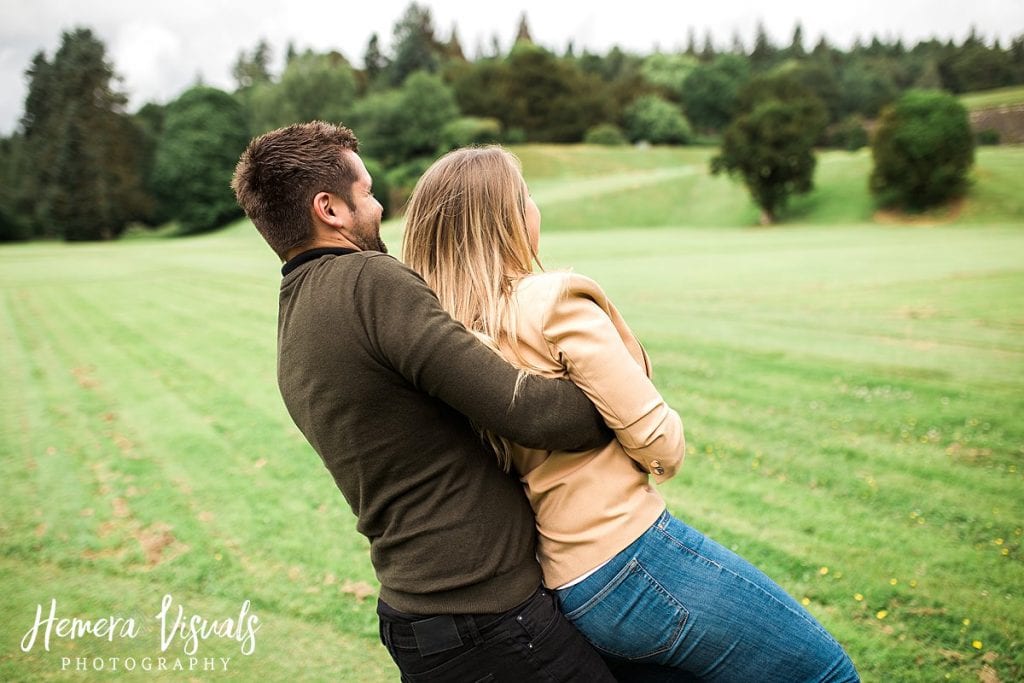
(939, 216)
(1007, 120)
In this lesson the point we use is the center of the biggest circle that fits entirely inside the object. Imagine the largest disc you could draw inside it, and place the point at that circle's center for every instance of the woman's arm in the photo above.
(587, 336)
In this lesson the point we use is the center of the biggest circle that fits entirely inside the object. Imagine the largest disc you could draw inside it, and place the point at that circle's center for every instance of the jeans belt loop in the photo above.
(664, 520)
(474, 632)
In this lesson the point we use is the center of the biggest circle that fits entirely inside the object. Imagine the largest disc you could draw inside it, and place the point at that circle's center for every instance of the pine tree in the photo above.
(374, 61)
(453, 48)
(707, 53)
(82, 161)
(796, 47)
(523, 32)
(253, 68)
(415, 45)
(764, 52)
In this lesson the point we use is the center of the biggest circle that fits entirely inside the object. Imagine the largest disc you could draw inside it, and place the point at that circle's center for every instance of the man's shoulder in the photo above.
(362, 264)
(386, 270)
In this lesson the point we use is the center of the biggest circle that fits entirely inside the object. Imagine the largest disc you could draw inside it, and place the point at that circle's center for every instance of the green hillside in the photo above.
(993, 98)
(589, 188)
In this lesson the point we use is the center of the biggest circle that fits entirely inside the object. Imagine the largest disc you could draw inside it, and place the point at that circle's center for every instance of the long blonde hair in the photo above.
(465, 233)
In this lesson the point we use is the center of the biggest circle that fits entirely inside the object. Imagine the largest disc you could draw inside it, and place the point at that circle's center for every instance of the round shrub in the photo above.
(656, 120)
(605, 134)
(848, 134)
(989, 136)
(469, 130)
(922, 149)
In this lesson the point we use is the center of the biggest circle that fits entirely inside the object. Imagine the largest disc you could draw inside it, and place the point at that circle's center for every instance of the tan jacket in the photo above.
(591, 505)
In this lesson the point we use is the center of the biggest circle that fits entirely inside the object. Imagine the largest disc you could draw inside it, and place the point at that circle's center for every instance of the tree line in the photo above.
(81, 167)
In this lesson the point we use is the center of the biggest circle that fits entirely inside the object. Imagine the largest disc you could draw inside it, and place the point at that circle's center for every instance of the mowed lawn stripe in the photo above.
(269, 480)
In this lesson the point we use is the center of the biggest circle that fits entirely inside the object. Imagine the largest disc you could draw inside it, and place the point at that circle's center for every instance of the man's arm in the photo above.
(410, 332)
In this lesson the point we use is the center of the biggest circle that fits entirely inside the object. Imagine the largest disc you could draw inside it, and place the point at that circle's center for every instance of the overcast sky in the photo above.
(160, 48)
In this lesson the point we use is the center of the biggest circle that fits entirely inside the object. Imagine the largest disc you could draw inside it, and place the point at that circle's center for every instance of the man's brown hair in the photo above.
(280, 172)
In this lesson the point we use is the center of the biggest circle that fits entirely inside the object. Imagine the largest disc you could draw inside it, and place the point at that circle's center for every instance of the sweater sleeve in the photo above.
(583, 338)
(409, 331)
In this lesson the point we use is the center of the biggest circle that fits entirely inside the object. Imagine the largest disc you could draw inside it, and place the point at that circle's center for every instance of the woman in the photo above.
(655, 597)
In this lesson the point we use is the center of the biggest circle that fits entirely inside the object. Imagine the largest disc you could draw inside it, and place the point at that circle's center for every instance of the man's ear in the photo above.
(331, 210)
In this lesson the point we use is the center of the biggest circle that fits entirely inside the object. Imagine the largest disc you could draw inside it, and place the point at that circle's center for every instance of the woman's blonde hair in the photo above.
(465, 233)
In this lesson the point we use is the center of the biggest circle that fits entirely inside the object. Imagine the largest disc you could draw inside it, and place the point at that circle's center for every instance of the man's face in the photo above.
(366, 211)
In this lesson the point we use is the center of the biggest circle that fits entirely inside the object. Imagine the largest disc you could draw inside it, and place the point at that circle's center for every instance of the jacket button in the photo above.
(656, 467)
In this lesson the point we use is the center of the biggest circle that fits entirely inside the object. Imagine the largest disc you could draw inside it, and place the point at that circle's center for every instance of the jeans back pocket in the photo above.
(632, 616)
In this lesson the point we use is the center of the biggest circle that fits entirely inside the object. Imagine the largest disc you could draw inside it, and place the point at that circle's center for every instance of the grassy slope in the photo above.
(993, 98)
(852, 399)
(621, 189)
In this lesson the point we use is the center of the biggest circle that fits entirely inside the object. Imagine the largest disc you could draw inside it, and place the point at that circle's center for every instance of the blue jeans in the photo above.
(676, 606)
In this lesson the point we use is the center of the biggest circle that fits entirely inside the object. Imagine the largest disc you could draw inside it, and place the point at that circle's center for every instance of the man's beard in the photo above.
(370, 243)
(367, 237)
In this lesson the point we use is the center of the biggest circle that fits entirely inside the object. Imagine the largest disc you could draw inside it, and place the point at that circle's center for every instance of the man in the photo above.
(381, 382)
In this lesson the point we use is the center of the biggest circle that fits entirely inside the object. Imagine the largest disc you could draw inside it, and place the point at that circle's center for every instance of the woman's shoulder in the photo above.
(551, 287)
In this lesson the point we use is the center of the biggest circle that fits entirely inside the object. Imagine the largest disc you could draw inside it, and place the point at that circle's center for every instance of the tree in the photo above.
(710, 91)
(81, 162)
(252, 68)
(313, 86)
(523, 32)
(374, 61)
(415, 45)
(12, 227)
(820, 78)
(204, 134)
(691, 42)
(976, 67)
(770, 144)
(764, 53)
(796, 46)
(469, 130)
(668, 72)
(532, 90)
(656, 120)
(1016, 57)
(453, 51)
(707, 53)
(149, 120)
(865, 89)
(399, 125)
(922, 151)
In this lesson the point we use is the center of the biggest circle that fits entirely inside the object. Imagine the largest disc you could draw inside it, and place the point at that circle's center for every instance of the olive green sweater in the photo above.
(381, 380)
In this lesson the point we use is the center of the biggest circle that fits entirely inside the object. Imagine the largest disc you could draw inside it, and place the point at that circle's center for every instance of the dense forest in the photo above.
(80, 166)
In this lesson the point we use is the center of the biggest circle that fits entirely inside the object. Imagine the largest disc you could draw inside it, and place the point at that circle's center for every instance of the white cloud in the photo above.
(151, 58)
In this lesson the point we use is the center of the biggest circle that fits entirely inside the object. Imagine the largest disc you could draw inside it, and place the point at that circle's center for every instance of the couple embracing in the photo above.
(496, 433)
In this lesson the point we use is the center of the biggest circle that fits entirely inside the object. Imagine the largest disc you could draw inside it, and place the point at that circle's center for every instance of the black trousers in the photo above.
(531, 642)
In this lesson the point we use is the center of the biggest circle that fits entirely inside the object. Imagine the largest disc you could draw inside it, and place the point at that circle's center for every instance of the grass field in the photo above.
(998, 97)
(852, 393)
